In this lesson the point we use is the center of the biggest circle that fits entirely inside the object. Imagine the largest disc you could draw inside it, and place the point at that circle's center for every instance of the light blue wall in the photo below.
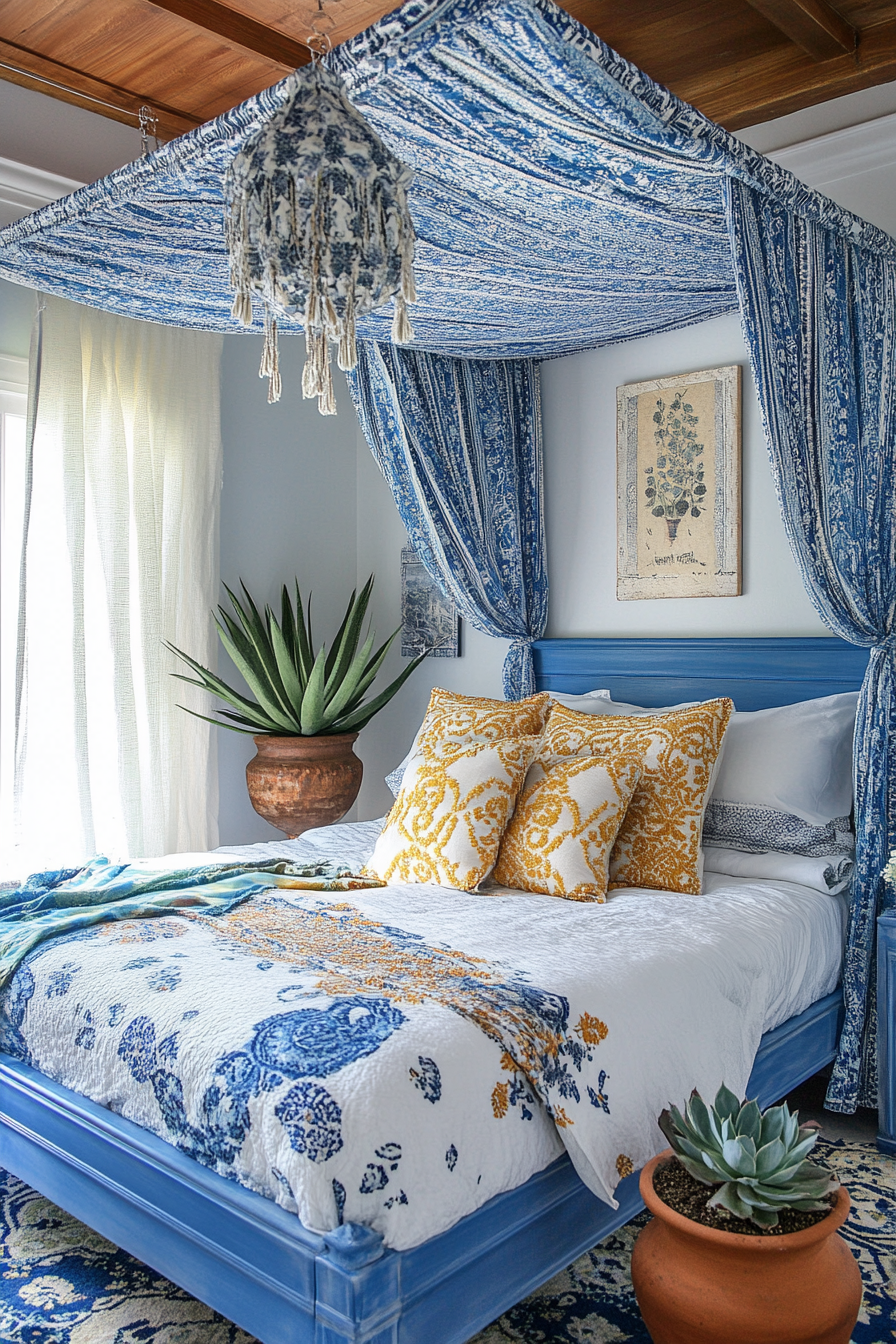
(386, 739)
(288, 507)
(579, 401)
(16, 313)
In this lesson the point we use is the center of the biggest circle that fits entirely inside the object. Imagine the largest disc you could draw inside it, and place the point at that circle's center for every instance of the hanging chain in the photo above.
(149, 129)
(321, 26)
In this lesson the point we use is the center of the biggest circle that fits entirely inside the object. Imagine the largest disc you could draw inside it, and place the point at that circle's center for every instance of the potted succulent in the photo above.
(308, 707)
(763, 1265)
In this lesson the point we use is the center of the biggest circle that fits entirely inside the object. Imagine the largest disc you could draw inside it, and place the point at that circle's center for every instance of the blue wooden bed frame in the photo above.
(258, 1266)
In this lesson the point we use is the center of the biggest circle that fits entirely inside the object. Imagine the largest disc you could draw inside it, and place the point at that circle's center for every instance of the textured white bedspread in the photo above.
(395, 1057)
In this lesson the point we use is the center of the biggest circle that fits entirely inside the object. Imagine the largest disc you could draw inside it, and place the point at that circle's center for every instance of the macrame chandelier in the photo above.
(317, 224)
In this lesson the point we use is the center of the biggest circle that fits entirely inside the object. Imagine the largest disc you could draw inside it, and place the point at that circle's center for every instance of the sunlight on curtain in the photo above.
(13, 399)
(120, 552)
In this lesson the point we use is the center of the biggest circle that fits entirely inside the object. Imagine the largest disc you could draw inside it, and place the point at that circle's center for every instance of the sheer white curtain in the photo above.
(120, 552)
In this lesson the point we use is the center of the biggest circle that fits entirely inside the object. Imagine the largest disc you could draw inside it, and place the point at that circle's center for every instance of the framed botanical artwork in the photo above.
(678, 486)
(429, 619)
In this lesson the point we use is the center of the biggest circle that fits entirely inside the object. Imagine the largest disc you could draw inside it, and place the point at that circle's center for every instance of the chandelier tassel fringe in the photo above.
(334, 243)
(270, 357)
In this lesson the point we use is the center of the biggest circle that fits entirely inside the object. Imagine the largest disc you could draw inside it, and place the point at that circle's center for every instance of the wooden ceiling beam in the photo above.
(748, 92)
(239, 29)
(813, 25)
(19, 65)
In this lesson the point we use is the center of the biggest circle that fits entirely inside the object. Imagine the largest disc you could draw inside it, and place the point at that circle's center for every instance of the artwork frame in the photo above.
(429, 619)
(678, 486)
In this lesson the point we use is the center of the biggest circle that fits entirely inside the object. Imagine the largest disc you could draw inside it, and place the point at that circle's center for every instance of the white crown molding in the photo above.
(13, 374)
(866, 148)
(26, 188)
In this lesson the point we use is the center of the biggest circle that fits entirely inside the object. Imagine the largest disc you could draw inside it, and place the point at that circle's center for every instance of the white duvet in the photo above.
(396, 1057)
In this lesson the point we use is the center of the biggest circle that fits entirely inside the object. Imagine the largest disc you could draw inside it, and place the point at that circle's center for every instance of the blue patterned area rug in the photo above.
(62, 1284)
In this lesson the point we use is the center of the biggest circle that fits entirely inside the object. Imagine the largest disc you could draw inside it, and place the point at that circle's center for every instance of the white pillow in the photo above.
(394, 778)
(831, 875)
(784, 782)
(589, 702)
(794, 758)
(599, 702)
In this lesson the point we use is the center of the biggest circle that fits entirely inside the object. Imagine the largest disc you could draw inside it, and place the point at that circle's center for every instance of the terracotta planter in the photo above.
(299, 782)
(697, 1285)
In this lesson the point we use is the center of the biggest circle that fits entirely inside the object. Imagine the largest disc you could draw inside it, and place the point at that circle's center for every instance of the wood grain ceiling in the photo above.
(740, 62)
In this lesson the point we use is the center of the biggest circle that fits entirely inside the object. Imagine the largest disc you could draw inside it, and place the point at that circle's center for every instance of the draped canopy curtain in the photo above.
(819, 315)
(120, 527)
(459, 442)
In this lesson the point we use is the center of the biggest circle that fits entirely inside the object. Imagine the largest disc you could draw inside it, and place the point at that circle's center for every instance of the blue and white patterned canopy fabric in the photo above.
(561, 199)
(459, 441)
(820, 320)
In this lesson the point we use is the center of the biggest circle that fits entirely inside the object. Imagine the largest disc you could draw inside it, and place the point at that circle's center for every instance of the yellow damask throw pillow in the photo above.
(447, 821)
(658, 844)
(566, 820)
(453, 721)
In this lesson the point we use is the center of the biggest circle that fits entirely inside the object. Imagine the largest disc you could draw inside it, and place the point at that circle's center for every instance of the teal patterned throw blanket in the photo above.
(69, 899)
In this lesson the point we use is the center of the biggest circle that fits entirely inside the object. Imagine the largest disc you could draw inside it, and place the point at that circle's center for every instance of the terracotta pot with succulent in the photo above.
(308, 708)
(742, 1246)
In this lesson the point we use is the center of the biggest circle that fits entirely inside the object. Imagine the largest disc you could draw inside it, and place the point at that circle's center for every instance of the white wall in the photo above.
(49, 148)
(16, 315)
(855, 166)
(60, 138)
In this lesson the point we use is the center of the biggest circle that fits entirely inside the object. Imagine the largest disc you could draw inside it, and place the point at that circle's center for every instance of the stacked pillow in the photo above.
(452, 810)
(459, 787)
(567, 818)
(781, 801)
(567, 808)
(658, 844)
(453, 719)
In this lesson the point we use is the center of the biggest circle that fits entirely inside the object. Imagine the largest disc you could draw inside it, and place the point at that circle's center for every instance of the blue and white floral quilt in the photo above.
(395, 1057)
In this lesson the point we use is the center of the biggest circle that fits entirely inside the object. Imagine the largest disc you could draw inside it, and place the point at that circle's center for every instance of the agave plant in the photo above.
(298, 693)
(757, 1159)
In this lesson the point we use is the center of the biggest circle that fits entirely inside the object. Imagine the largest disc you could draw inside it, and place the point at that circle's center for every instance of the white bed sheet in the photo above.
(160, 1021)
(806, 939)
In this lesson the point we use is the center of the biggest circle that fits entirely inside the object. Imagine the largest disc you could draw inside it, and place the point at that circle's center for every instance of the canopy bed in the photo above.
(254, 1261)
(561, 201)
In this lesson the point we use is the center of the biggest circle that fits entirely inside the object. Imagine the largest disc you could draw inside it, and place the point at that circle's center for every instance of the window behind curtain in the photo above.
(122, 472)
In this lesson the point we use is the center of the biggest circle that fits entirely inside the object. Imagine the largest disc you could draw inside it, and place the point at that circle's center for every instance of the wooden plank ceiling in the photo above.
(740, 62)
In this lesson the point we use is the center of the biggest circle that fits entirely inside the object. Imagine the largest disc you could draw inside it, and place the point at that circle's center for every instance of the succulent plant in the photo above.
(889, 872)
(757, 1159)
(297, 693)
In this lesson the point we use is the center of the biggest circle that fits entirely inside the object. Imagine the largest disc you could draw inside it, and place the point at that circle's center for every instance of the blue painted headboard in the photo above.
(755, 673)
